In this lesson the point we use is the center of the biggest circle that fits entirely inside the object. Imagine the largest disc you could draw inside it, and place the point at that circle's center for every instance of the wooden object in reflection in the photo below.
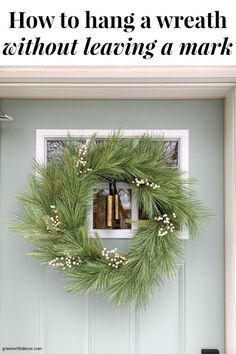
(109, 211)
(101, 212)
(122, 211)
(117, 207)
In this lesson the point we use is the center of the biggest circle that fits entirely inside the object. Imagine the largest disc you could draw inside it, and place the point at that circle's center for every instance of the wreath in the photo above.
(55, 216)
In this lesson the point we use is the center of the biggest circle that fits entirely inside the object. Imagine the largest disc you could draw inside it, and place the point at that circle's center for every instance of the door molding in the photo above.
(149, 83)
(230, 222)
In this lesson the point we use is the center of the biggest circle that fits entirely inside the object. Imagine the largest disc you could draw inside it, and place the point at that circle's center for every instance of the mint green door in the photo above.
(186, 314)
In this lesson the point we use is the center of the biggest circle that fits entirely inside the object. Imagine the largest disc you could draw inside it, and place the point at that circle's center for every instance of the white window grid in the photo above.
(44, 136)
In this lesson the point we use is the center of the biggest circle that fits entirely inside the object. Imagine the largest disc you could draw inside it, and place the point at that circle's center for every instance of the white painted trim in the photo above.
(230, 222)
(119, 90)
(102, 82)
(117, 74)
(42, 135)
(148, 83)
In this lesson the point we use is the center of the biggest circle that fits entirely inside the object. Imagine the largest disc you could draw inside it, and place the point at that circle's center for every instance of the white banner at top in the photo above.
(117, 33)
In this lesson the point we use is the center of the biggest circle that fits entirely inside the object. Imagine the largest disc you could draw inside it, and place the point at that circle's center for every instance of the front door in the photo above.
(187, 313)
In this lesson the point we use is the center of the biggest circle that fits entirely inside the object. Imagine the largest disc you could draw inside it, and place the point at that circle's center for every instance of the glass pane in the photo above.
(55, 147)
(172, 149)
(112, 211)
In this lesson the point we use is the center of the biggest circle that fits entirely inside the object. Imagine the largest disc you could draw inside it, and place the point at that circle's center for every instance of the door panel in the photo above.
(186, 314)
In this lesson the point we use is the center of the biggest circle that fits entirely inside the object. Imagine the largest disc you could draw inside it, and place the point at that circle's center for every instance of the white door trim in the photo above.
(230, 222)
(149, 83)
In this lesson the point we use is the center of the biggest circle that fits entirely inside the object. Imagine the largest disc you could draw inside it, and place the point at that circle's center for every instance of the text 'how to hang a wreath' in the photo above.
(124, 35)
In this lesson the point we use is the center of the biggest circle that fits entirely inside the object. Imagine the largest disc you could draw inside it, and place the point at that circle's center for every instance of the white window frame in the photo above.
(182, 135)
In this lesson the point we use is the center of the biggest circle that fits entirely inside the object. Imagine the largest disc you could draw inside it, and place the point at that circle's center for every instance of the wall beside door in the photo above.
(187, 314)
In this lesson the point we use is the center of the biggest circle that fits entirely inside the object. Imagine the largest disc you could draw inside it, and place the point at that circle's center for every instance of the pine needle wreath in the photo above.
(55, 217)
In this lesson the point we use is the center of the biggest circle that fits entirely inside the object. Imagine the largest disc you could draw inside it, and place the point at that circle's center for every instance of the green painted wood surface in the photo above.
(36, 310)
